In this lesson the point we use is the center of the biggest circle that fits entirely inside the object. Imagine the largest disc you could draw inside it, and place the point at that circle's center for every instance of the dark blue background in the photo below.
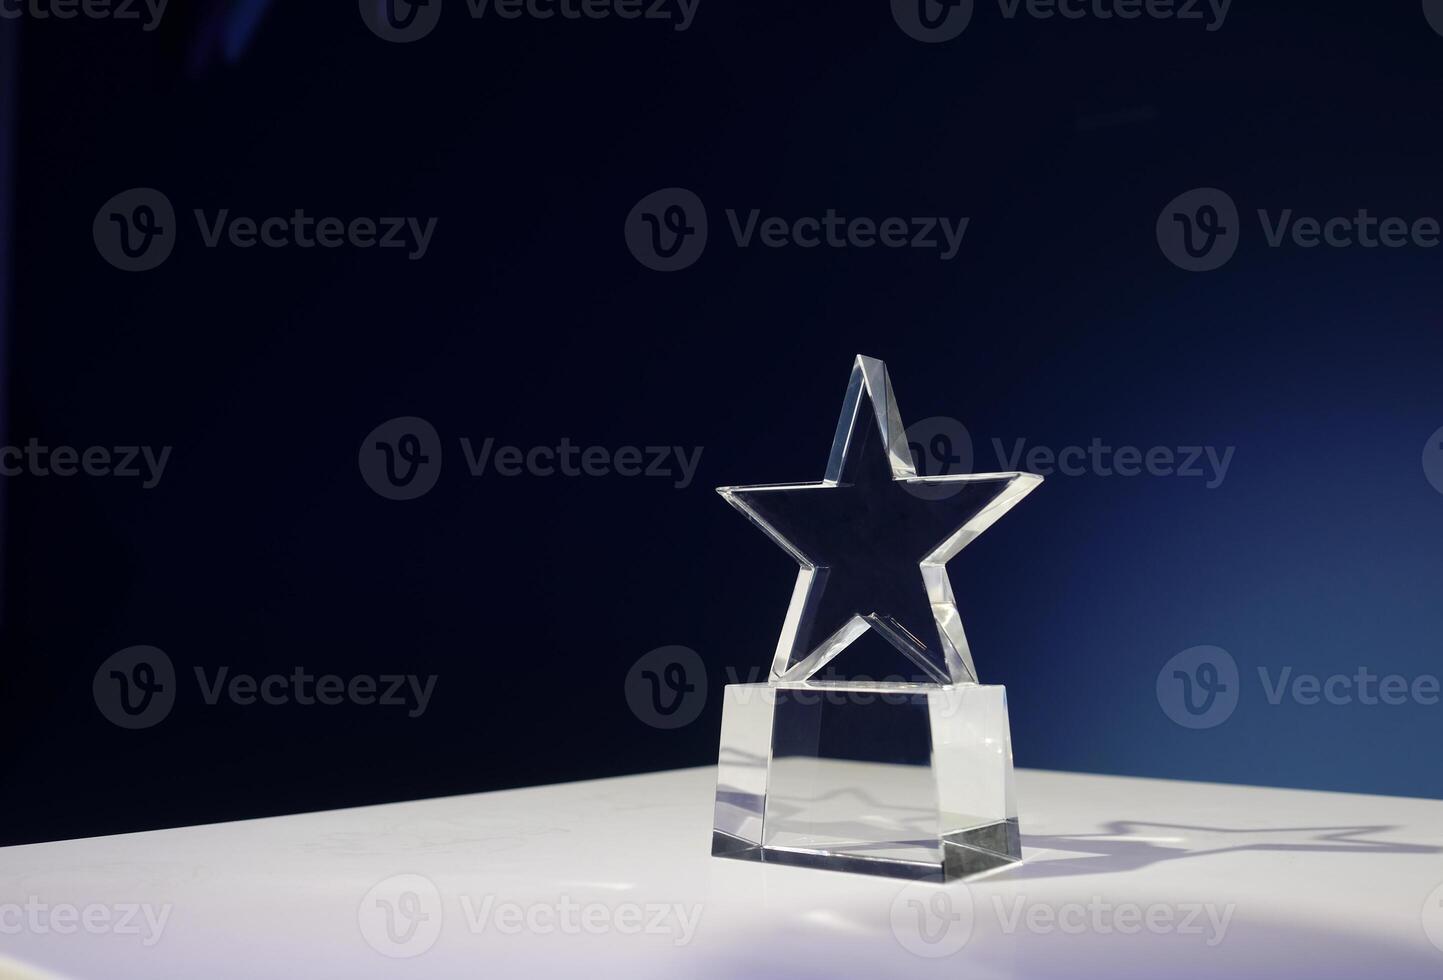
(529, 320)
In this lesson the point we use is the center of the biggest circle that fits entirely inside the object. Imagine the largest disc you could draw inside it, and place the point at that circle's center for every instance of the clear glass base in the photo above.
(906, 780)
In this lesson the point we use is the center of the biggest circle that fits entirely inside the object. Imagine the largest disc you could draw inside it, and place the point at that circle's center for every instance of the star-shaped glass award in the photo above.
(908, 775)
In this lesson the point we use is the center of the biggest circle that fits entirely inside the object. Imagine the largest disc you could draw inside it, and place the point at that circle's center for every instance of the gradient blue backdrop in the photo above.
(1059, 322)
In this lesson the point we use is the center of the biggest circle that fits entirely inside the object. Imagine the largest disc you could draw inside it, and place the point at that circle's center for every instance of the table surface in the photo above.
(1122, 878)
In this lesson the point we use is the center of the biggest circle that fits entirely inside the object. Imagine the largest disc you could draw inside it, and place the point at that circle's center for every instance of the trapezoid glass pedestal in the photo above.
(905, 780)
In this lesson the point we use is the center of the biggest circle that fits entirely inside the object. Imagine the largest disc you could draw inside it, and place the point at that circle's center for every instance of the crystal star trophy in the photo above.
(830, 763)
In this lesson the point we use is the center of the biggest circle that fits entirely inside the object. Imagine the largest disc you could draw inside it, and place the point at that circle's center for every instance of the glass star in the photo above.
(873, 540)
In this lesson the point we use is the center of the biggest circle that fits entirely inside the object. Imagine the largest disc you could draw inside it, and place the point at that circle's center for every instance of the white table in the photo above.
(1123, 878)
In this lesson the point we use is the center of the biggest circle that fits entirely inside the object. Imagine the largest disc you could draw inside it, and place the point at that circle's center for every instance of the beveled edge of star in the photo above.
(869, 375)
(1021, 484)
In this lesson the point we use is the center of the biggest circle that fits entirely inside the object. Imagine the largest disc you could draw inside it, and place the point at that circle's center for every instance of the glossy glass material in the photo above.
(822, 767)
(873, 541)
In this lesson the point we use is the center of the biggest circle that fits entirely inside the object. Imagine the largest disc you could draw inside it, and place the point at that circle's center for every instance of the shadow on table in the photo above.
(1126, 845)
(1122, 845)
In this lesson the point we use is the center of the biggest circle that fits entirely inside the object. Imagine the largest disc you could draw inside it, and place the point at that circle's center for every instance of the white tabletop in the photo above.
(1123, 878)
